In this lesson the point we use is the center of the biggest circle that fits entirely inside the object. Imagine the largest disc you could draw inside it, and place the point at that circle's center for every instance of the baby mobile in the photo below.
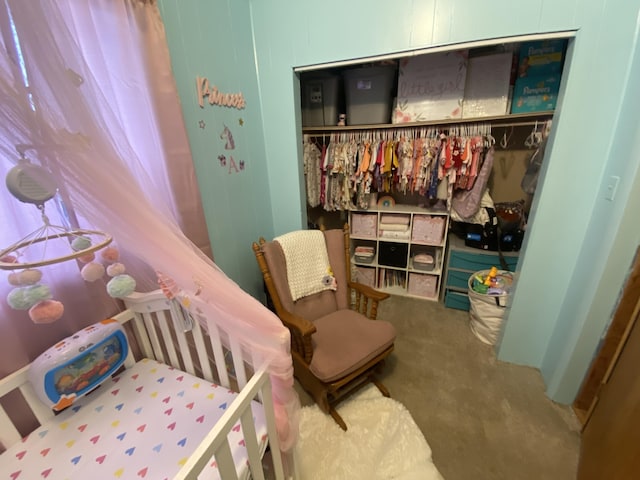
(33, 184)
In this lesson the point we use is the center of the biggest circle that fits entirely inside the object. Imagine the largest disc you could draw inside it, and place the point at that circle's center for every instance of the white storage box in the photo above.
(431, 87)
(487, 87)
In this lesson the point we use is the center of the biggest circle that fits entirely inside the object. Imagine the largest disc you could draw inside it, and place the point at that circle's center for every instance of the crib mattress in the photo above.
(143, 423)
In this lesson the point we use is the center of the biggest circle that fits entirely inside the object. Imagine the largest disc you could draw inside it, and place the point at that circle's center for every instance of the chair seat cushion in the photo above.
(346, 340)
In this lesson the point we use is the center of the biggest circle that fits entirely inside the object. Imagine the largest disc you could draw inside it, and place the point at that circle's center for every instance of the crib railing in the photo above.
(18, 381)
(216, 444)
(161, 329)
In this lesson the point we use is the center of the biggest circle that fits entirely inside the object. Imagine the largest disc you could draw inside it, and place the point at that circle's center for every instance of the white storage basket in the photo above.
(486, 312)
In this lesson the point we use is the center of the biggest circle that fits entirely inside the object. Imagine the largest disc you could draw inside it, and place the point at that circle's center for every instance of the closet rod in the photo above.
(519, 124)
(514, 119)
(401, 126)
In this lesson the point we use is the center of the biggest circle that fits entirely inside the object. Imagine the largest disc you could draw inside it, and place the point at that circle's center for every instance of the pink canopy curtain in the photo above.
(86, 144)
(20, 339)
(124, 46)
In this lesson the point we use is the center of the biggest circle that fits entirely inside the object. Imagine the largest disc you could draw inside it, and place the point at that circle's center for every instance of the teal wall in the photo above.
(579, 246)
(213, 39)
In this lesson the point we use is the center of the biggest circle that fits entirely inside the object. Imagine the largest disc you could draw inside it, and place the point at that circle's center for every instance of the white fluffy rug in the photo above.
(382, 442)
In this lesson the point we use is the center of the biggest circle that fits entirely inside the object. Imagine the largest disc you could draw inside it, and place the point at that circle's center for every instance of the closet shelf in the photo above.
(516, 119)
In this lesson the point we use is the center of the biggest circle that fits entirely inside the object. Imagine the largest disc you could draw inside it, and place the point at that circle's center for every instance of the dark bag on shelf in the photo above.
(511, 222)
(484, 236)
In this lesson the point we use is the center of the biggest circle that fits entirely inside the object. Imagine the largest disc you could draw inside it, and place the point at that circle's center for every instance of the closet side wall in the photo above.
(613, 237)
(546, 300)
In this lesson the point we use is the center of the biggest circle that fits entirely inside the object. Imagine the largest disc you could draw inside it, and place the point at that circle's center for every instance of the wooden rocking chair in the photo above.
(337, 344)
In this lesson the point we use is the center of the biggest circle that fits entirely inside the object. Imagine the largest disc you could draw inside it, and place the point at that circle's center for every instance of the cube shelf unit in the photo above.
(397, 235)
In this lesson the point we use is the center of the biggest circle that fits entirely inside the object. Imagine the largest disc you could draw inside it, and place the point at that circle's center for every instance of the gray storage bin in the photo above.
(320, 99)
(369, 94)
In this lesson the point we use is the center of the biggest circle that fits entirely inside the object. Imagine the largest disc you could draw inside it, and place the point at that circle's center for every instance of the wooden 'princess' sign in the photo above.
(216, 97)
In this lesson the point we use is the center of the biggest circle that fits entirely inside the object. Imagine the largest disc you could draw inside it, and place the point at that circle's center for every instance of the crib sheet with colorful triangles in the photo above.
(141, 424)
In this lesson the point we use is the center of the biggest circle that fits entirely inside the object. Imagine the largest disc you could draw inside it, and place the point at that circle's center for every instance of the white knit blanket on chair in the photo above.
(308, 267)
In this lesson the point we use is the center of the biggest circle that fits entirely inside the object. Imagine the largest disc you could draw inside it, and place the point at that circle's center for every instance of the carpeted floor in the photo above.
(483, 419)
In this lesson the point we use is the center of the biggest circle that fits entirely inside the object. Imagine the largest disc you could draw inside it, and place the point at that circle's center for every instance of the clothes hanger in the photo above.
(504, 141)
(535, 137)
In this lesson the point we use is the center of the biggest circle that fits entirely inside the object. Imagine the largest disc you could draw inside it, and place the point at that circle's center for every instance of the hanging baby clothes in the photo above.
(467, 202)
(429, 163)
(405, 162)
(312, 172)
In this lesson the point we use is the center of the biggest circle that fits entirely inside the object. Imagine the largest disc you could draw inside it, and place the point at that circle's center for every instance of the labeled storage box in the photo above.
(428, 229)
(320, 99)
(431, 87)
(535, 94)
(369, 94)
(541, 57)
(423, 285)
(487, 86)
(364, 225)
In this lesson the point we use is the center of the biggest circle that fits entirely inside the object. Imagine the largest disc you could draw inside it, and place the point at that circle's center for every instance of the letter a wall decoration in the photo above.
(229, 144)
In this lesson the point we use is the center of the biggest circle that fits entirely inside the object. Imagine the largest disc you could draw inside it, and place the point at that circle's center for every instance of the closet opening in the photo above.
(497, 96)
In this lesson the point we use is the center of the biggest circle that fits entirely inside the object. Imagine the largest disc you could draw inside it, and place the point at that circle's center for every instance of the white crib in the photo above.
(161, 330)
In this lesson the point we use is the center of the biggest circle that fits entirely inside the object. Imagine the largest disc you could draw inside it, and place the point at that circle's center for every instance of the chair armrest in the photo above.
(303, 326)
(301, 330)
(367, 299)
(368, 292)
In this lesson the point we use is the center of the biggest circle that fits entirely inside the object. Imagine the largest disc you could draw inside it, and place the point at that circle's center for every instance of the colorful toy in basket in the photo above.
(76, 365)
(492, 282)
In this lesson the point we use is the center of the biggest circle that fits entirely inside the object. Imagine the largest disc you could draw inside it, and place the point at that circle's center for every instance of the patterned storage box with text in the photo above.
(364, 225)
(423, 285)
(428, 229)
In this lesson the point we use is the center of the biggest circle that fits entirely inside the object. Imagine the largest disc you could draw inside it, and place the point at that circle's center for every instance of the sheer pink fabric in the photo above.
(81, 138)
